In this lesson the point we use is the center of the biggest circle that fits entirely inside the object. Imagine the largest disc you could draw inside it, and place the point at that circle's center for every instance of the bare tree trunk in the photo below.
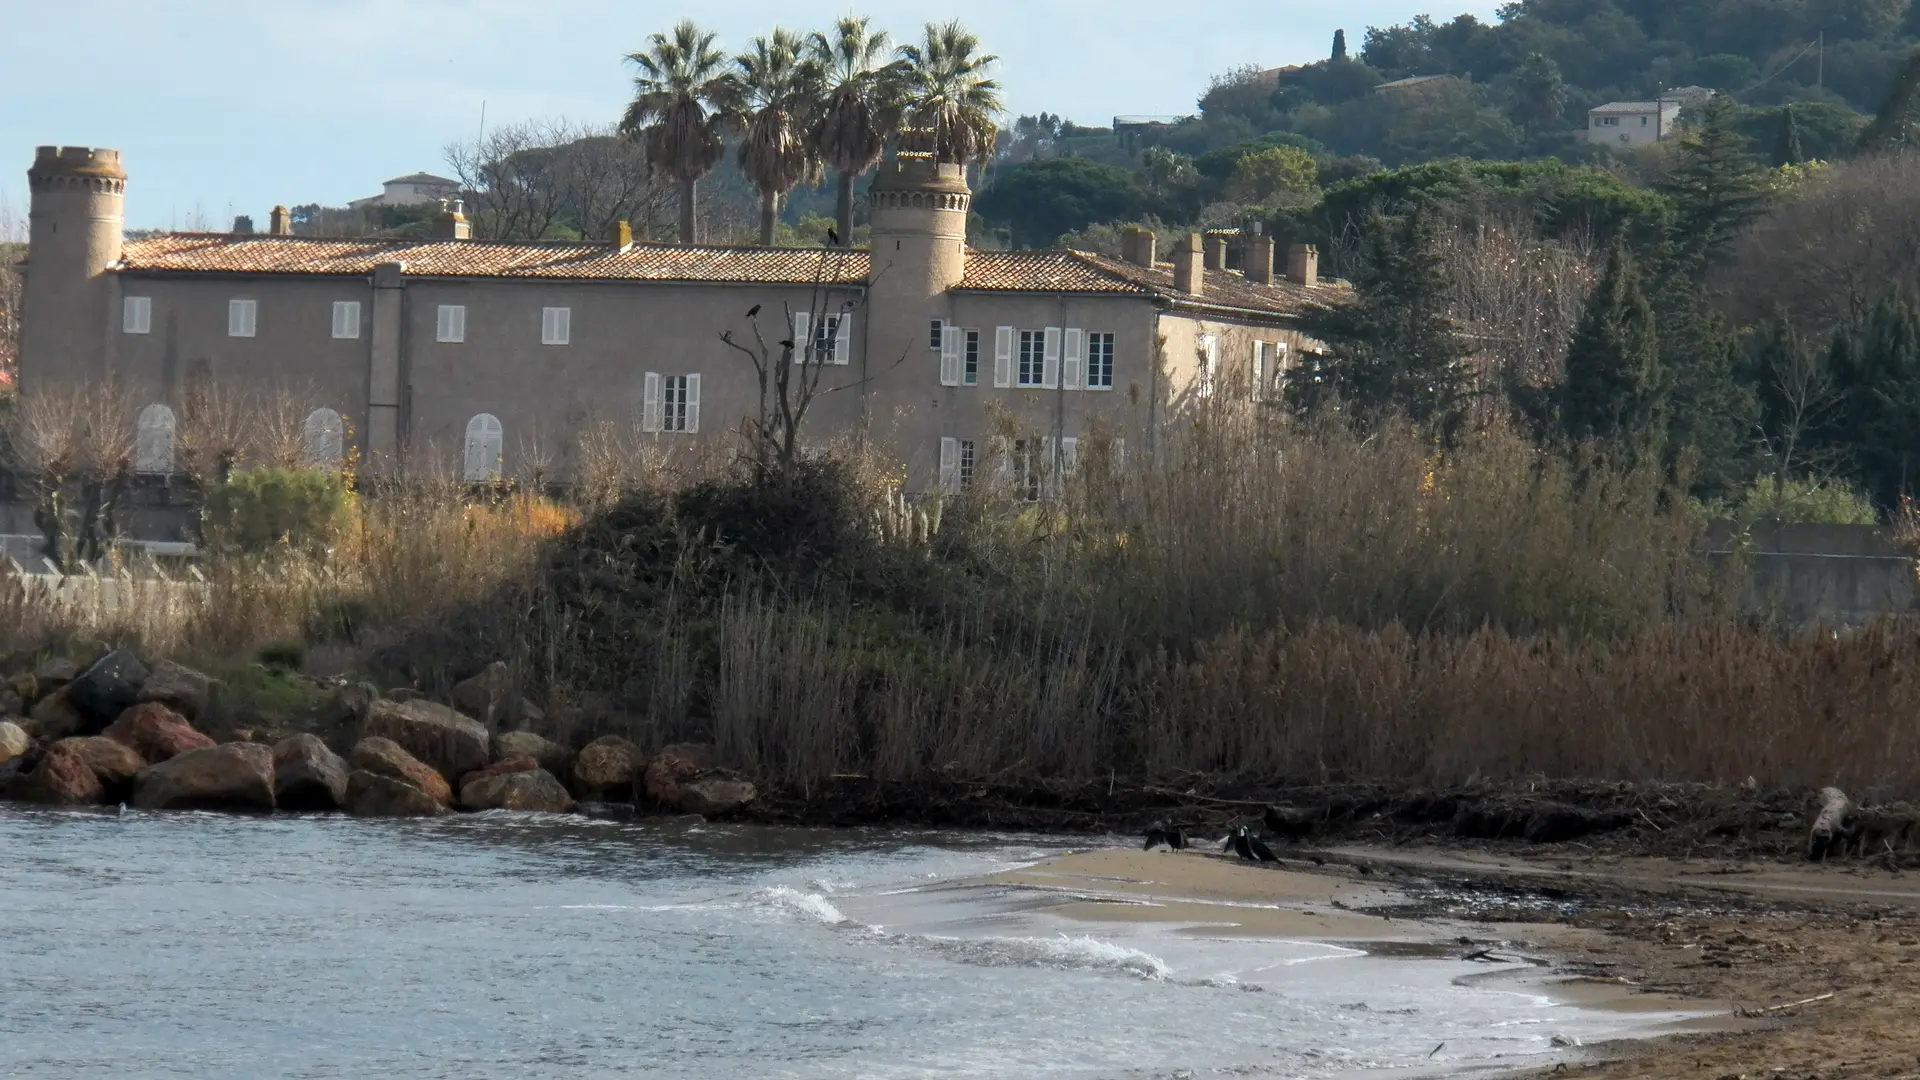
(843, 210)
(769, 213)
(689, 228)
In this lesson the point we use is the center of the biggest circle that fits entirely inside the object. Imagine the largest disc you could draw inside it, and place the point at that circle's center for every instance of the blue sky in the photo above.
(229, 106)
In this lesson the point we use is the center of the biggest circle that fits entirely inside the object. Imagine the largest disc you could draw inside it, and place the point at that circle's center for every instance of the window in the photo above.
(241, 318)
(970, 361)
(153, 441)
(451, 325)
(829, 336)
(1032, 370)
(346, 318)
(1209, 355)
(323, 437)
(965, 473)
(484, 440)
(1643, 121)
(136, 315)
(936, 334)
(1099, 361)
(671, 403)
(1609, 121)
(825, 334)
(556, 325)
(956, 464)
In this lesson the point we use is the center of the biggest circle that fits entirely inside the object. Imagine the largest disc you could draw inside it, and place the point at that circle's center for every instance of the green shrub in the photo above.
(1797, 501)
(261, 509)
(283, 655)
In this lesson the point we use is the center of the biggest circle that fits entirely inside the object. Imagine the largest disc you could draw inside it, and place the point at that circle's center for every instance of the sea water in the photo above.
(142, 946)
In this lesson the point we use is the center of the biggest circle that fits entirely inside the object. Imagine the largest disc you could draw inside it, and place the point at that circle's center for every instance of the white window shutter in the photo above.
(1210, 363)
(1003, 449)
(1069, 456)
(1259, 370)
(693, 404)
(136, 315)
(802, 339)
(1050, 359)
(1073, 374)
(949, 459)
(1050, 466)
(950, 346)
(460, 322)
(843, 339)
(650, 409)
(1003, 356)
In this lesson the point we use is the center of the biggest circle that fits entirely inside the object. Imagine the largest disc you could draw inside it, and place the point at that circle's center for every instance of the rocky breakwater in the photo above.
(114, 730)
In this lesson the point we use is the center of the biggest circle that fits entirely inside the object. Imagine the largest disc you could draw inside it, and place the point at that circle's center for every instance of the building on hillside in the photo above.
(412, 190)
(1633, 123)
(490, 357)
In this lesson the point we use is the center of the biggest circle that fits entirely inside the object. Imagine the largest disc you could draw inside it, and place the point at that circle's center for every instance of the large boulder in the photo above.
(180, 688)
(348, 705)
(715, 796)
(14, 741)
(384, 757)
(54, 672)
(234, 776)
(673, 766)
(552, 756)
(373, 795)
(53, 717)
(11, 704)
(532, 789)
(156, 732)
(453, 744)
(489, 697)
(25, 687)
(307, 775)
(109, 687)
(607, 764)
(62, 778)
(116, 766)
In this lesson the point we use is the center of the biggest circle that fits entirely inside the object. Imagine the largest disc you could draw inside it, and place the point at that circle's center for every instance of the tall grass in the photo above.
(1246, 603)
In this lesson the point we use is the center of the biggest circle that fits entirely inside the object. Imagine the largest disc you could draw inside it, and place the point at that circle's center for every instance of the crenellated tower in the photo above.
(76, 226)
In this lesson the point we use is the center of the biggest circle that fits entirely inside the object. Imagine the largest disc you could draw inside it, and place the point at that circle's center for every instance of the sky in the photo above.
(224, 107)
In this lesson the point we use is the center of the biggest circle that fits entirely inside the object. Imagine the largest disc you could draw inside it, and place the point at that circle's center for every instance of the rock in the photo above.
(488, 697)
(384, 757)
(180, 688)
(524, 789)
(530, 714)
(673, 766)
(348, 706)
(11, 704)
(518, 744)
(405, 693)
(115, 765)
(54, 672)
(715, 796)
(307, 775)
(14, 740)
(54, 718)
(373, 795)
(607, 764)
(435, 734)
(156, 732)
(498, 768)
(235, 776)
(62, 778)
(25, 687)
(108, 688)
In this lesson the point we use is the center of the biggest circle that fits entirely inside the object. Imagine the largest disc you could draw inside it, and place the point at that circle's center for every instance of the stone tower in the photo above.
(76, 226)
(919, 220)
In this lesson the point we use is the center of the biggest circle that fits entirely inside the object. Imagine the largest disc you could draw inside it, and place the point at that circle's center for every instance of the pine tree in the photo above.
(1339, 46)
(1396, 350)
(1707, 408)
(1897, 125)
(1716, 186)
(1539, 92)
(1882, 399)
(1786, 147)
(1612, 386)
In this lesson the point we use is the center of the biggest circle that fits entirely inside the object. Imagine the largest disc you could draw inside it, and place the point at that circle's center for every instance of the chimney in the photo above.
(1187, 275)
(243, 225)
(452, 222)
(1216, 251)
(279, 222)
(1257, 260)
(1303, 265)
(620, 235)
(1138, 245)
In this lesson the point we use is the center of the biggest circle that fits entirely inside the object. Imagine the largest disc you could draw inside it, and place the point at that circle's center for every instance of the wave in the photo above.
(791, 901)
(1065, 952)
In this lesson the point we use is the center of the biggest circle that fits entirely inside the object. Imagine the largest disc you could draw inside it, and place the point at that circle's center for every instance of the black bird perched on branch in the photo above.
(833, 237)
(1170, 835)
(786, 343)
(752, 311)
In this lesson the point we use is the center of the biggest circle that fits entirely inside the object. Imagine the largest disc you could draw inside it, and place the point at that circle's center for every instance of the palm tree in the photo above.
(856, 106)
(682, 98)
(948, 94)
(776, 82)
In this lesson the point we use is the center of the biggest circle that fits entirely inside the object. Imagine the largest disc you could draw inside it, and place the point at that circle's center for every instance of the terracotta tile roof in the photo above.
(1081, 272)
(1042, 271)
(223, 253)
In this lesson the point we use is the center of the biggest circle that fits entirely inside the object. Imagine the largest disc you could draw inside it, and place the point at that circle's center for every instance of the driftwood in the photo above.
(1830, 829)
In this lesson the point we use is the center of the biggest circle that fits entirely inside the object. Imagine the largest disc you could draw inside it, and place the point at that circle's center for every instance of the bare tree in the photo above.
(72, 445)
(1517, 298)
(11, 287)
(542, 179)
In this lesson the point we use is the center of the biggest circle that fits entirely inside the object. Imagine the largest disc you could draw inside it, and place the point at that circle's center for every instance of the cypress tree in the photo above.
(1708, 410)
(1716, 186)
(1786, 147)
(1883, 400)
(1339, 46)
(1897, 125)
(1612, 386)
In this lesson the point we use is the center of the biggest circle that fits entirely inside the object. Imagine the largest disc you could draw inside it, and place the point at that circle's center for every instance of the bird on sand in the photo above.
(1170, 835)
(833, 237)
(752, 311)
(1252, 848)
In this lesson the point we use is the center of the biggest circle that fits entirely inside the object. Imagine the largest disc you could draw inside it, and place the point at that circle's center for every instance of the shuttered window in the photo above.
(671, 403)
(136, 315)
(451, 323)
(556, 325)
(242, 317)
(346, 319)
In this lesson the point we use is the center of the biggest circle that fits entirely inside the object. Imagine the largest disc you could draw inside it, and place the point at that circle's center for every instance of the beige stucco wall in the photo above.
(1182, 333)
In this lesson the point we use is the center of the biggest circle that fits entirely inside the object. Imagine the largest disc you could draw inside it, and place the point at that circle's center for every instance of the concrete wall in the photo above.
(1826, 573)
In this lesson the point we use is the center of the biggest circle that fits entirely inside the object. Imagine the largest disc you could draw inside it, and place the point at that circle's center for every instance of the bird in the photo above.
(786, 343)
(753, 311)
(833, 237)
(1243, 844)
(1176, 837)
(1170, 835)
(1259, 847)
(1155, 837)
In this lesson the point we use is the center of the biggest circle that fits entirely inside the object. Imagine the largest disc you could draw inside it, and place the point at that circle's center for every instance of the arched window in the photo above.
(153, 441)
(323, 437)
(484, 438)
